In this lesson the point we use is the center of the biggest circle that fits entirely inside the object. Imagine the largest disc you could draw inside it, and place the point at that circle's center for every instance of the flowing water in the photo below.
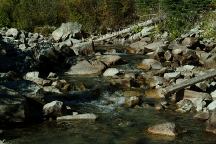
(115, 124)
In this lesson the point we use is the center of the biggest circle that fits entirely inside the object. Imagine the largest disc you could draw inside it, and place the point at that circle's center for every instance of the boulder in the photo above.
(86, 68)
(111, 72)
(184, 105)
(155, 46)
(34, 76)
(189, 41)
(78, 117)
(203, 56)
(12, 32)
(53, 109)
(137, 47)
(173, 75)
(65, 30)
(168, 129)
(199, 99)
(108, 60)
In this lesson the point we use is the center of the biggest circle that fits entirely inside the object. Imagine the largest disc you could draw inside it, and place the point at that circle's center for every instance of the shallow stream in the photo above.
(115, 124)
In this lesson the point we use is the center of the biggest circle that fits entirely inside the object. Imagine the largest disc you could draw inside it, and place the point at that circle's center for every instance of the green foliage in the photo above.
(6, 7)
(31, 13)
(182, 14)
(137, 29)
(102, 14)
(44, 30)
(208, 25)
(85, 12)
(98, 15)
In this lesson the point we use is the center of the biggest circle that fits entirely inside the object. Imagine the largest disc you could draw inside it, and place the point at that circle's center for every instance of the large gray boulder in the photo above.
(65, 30)
(86, 68)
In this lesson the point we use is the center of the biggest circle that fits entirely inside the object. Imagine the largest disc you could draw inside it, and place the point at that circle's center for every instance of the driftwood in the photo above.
(174, 88)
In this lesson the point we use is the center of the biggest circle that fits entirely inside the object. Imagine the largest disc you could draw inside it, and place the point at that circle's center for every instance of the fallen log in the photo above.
(90, 42)
(127, 30)
(174, 88)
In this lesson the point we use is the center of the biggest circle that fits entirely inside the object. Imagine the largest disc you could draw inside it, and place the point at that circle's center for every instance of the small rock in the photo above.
(137, 47)
(185, 68)
(184, 105)
(203, 116)
(46, 83)
(53, 109)
(132, 101)
(167, 55)
(12, 32)
(130, 75)
(146, 39)
(22, 47)
(177, 51)
(68, 118)
(173, 75)
(59, 84)
(213, 94)
(51, 89)
(155, 81)
(212, 105)
(34, 76)
(189, 41)
(111, 72)
(168, 129)
(148, 64)
(75, 113)
(155, 46)
(52, 76)
(202, 85)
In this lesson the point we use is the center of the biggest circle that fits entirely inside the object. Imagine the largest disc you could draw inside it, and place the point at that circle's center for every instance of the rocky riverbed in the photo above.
(112, 86)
